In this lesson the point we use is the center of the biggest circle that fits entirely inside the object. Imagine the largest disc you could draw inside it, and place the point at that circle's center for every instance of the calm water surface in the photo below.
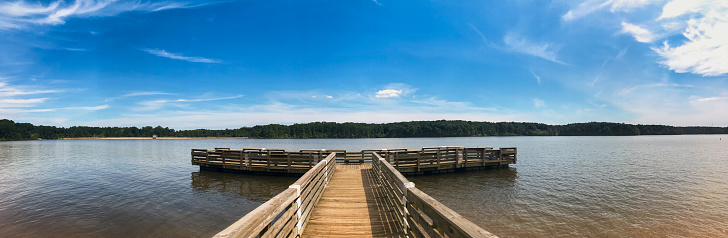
(643, 186)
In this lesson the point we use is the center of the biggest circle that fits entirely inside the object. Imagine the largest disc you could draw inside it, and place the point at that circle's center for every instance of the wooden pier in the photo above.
(360, 196)
(427, 160)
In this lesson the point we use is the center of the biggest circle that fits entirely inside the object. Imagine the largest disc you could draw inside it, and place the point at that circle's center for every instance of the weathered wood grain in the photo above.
(351, 207)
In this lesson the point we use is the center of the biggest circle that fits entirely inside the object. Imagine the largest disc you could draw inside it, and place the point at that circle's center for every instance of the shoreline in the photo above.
(147, 138)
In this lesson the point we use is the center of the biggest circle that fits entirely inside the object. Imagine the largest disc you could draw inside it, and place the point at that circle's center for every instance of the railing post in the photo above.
(326, 172)
(298, 207)
(406, 213)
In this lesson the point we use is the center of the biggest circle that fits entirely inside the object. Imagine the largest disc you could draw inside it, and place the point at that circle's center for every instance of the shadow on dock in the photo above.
(381, 214)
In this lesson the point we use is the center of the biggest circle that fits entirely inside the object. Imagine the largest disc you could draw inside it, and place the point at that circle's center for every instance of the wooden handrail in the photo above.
(418, 214)
(287, 213)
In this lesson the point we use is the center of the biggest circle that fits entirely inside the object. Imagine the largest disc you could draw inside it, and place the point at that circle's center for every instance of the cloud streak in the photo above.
(20, 14)
(165, 54)
(152, 105)
(522, 45)
(590, 6)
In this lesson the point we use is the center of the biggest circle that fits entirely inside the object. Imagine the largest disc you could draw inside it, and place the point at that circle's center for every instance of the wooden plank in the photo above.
(349, 207)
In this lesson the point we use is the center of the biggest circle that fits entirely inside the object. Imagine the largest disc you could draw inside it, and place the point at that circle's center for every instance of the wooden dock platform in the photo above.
(352, 206)
(427, 160)
(356, 200)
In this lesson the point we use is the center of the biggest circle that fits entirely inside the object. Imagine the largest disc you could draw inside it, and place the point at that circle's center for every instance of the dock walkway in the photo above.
(341, 199)
(352, 207)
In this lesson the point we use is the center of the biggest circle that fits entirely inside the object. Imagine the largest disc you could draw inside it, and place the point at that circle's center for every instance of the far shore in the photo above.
(149, 138)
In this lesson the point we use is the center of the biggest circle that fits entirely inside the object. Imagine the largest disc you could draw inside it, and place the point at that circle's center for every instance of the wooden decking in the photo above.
(370, 199)
(352, 207)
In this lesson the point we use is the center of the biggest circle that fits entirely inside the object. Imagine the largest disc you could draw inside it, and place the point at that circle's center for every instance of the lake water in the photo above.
(640, 186)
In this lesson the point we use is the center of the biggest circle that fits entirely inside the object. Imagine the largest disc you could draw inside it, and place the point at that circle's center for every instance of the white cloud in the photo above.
(590, 6)
(640, 34)
(208, 99)
(14, 97)
(538, 103)
(523, 45)
(96, 108)
(163, 53)
(395, 90)
(628, 5)
(376, 2)
(8, 91)
(705, 51)
(144, 93)
(702, 23)
(20, 14)
(152, 105)
(388, 93)
(8, 102)
(678, 8)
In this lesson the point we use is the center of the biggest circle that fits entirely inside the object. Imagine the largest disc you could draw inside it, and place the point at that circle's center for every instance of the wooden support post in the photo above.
(439, 157)
(298, 207)
(465, 156)
(268, 165)
(242, 158)
(247, 160)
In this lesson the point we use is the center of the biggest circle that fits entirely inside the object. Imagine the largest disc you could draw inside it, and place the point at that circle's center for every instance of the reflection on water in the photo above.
(257, 188)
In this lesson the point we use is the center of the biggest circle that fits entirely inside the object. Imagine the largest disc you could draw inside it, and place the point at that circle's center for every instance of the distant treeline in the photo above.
(10, 130)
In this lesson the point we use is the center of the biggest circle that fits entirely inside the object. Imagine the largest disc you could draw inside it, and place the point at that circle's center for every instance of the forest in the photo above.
(10, 130)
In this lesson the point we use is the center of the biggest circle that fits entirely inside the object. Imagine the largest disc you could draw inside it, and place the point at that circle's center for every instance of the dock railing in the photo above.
(286, 214)
(416, 213)
(426, 160)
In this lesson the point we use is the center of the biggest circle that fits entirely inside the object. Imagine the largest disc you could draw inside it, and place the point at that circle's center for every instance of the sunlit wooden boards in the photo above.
(351, 207)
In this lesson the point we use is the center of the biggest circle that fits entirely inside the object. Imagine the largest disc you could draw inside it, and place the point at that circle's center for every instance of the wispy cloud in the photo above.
(482, 37)
(152, 105)
(9, 91)
(376, 2)
(95, 108)
(538, 78)
(163, 53)
(20, 14)
(22, 96)
(144, 93)
(640, 34)
(522, 45)
(7, 102)
(208, 99)
(588, 7)
(538, 103)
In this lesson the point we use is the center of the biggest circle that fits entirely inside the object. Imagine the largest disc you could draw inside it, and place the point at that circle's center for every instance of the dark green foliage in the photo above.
(9, 130)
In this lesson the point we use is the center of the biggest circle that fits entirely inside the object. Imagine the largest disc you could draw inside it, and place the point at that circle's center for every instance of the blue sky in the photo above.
(227, 64)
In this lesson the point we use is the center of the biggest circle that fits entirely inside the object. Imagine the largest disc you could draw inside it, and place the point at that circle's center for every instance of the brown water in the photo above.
(643, 186)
